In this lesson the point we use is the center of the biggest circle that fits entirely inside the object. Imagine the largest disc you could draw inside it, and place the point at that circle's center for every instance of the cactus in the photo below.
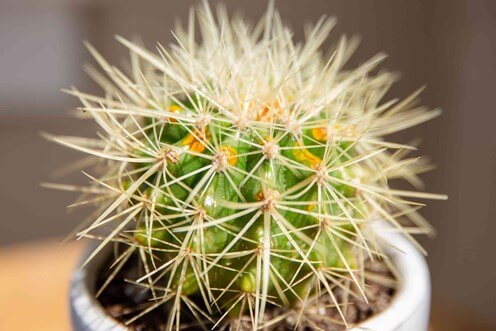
(243, 170)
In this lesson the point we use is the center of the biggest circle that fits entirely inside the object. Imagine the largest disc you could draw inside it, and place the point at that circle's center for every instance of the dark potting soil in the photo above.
(124, 300)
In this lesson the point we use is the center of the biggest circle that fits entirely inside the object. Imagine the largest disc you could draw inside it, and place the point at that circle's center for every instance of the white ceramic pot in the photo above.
(409, 309)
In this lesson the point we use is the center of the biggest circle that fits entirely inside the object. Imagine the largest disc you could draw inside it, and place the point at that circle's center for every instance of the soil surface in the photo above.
(124, 300)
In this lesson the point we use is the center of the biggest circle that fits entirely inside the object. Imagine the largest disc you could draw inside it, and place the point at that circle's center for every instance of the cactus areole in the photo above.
(244, 169)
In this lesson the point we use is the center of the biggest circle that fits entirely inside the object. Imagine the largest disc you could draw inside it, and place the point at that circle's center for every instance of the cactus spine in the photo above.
(244, 170)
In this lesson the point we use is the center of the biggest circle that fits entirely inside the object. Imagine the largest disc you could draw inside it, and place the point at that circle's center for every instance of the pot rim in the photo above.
(412, 291)
(414, 288)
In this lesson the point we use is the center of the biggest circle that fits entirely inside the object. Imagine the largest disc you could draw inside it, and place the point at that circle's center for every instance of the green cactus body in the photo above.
(241, 174)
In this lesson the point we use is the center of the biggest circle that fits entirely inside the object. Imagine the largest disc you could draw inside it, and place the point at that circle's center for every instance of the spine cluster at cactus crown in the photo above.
(243, 169)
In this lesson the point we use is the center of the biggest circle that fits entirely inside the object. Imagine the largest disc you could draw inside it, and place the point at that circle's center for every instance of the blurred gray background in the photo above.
(450, 45)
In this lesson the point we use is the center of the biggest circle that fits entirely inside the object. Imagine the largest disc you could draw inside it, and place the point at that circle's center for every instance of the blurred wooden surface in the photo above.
(34, 280)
